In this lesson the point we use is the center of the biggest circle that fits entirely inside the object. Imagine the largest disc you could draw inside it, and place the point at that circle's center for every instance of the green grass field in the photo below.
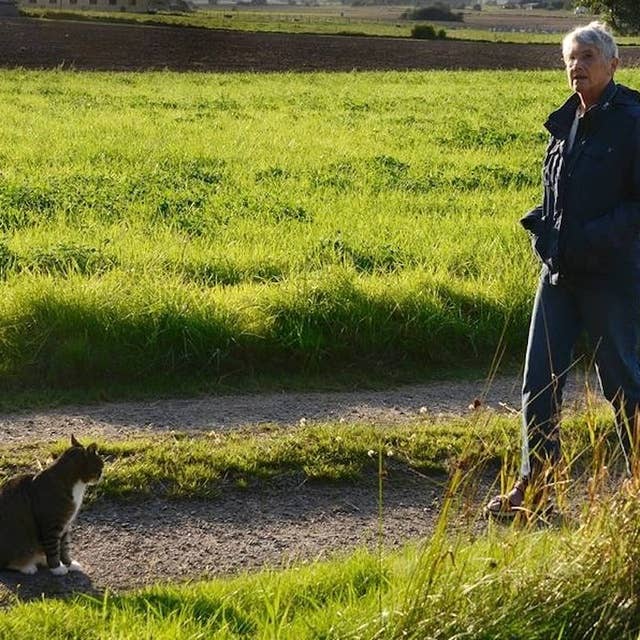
(385, 21)
(201, 226)
(187, 226)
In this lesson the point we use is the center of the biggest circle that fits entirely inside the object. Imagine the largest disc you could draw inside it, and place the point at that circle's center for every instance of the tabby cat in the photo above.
(36, 511)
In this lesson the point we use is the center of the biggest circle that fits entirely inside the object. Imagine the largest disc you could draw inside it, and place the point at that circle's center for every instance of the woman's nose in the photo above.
(573, 64)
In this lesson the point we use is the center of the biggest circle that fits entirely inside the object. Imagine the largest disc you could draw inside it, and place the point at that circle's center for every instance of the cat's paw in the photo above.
(41, 560)
(74, 566)
(29, 569)
(60, 570)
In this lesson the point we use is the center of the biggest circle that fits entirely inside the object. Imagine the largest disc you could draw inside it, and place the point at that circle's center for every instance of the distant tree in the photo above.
(428, 32)
(438, 11)
(622, 15)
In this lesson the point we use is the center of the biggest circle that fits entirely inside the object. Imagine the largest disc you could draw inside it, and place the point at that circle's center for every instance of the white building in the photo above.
(107, 5)
(8, 8)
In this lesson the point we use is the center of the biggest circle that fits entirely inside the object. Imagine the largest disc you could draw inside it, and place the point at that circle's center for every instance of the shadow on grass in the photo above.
(15, 586)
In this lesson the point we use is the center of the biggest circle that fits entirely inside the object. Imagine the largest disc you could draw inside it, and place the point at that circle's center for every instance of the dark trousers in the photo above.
(608, 310)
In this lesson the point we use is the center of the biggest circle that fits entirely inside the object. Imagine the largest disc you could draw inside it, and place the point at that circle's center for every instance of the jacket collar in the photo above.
(559, 122)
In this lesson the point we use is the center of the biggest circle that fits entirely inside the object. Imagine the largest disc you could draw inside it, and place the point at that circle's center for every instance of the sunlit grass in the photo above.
(202, 465)
(535, 585)
(209, 225)
(180, 466)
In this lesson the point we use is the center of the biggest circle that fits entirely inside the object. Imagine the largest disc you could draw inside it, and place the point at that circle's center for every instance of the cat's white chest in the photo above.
(77, 493)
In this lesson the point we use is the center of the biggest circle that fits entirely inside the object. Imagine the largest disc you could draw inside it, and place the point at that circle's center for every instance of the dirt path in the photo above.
(133, 544)
(222, 412)
(122, 546)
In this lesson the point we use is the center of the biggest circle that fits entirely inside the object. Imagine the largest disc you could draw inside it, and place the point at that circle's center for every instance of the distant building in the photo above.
(94, 5)
(9, 8)
(141, 6)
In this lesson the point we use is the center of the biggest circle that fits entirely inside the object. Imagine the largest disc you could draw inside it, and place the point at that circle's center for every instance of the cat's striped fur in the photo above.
(36, 511)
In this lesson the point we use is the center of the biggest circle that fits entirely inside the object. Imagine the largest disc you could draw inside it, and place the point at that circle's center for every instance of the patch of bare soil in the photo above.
(124, 545)
(32, 43)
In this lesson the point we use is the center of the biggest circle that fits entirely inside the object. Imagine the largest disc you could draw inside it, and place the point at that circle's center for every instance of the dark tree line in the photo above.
(622, 15)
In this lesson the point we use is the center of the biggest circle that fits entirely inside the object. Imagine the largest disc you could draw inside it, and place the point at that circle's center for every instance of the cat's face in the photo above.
(93, 464)
(86, 461)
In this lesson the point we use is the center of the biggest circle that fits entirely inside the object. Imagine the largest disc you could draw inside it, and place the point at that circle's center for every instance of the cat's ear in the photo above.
(92, 448)
(74, 442)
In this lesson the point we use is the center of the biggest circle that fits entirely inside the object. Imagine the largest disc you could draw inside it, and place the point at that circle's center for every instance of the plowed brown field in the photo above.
(32, 43)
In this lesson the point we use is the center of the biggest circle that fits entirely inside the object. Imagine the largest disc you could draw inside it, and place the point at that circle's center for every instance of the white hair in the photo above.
(594, 34)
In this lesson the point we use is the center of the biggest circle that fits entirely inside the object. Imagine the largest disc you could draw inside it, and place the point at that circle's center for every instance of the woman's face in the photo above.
(588, 71)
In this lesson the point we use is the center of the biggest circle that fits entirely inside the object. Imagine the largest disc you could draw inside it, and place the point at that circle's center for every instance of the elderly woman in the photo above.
(586, 233)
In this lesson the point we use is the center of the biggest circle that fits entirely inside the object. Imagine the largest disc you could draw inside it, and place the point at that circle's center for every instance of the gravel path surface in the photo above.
(125, 545)
(222, 412)
(122, 546)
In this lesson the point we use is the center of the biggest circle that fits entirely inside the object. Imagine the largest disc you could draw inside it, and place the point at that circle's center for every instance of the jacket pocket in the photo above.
(576, 255)
(580, 255)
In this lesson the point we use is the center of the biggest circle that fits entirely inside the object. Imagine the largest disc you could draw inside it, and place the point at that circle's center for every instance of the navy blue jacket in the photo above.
(589, 221)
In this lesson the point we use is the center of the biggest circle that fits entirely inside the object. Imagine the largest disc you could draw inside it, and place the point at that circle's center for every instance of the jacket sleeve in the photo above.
(532, 220)
(616, 228)
(534, 224)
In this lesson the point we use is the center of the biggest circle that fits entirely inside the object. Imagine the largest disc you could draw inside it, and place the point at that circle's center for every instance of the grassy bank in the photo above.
(531, 585)
(175, 465)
